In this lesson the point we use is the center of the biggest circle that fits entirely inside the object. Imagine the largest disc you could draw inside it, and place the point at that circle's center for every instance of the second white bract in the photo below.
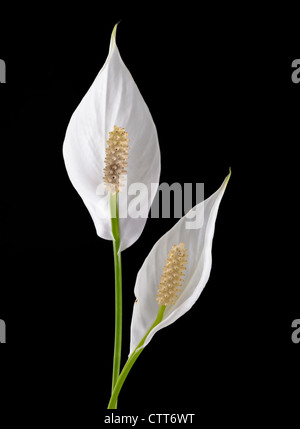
(113, 99)
(198, 243)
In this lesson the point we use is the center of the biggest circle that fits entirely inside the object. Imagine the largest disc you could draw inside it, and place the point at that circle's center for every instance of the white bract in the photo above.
(112, 100)
(198, 243)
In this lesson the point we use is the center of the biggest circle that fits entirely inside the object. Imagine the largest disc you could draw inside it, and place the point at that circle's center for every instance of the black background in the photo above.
(218, 85)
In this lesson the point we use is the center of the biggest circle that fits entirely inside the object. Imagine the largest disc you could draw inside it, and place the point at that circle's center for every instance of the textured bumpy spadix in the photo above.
(116, 159)
(172, 276)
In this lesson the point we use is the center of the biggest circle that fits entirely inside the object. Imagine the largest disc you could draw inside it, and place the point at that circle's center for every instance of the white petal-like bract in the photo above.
(198, 243)
(113, 99)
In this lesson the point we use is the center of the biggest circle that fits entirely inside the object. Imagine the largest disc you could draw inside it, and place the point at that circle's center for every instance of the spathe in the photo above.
(113, 99)
(198, 243)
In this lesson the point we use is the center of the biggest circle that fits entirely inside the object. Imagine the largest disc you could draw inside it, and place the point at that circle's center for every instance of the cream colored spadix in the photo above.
(116, 159)
(113, 100)
(172, 277)
(198, 243)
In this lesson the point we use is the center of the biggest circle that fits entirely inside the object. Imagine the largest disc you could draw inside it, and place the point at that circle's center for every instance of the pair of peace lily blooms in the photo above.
(176, 270)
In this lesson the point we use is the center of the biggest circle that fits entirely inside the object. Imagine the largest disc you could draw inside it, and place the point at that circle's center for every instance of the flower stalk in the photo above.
(118, 287)
(167, 293)
(131, 360)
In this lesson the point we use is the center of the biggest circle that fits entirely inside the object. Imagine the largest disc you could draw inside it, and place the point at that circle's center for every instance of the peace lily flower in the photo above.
(171, 278)
(111, 143)
(111, 134)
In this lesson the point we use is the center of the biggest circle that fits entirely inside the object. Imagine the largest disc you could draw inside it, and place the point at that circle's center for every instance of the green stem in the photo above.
(118, 287)
(131, 360)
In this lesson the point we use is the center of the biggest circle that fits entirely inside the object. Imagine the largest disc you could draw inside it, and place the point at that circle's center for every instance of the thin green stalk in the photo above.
(118, 287)
(131, 360)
